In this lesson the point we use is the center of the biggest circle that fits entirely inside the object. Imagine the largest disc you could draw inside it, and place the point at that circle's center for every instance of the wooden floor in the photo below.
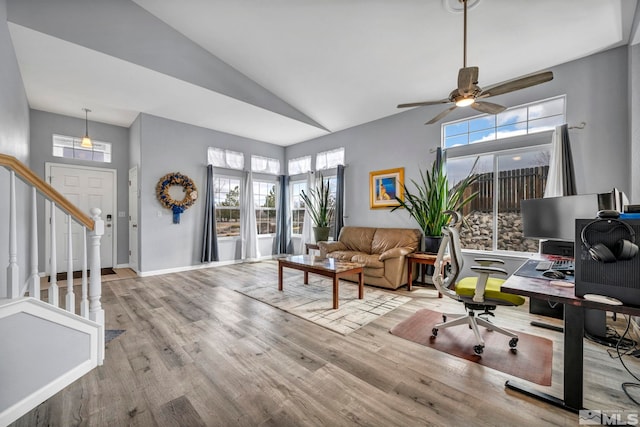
(195, 352)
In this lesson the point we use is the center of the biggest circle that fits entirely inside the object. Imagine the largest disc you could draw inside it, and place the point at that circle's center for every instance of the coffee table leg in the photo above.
(409, 274)
(279, 276)
(306, 277)
(335, 292)
(361, 285)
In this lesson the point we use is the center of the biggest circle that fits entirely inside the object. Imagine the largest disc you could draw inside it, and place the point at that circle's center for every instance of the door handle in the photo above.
(134, 225)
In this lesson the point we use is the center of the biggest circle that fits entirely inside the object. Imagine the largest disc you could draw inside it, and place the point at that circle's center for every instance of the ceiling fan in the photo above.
(468, 93)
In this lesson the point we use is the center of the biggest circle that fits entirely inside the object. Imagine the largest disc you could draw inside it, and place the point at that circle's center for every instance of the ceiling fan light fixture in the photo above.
(86, 140)
(464, 101)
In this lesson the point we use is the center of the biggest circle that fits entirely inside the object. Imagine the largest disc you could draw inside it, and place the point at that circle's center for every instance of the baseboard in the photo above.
(188, 268)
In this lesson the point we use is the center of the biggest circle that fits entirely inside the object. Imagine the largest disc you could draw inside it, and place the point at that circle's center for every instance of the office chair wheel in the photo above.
(478, 349)
(513, 342)
(434, 332)
(444, 318)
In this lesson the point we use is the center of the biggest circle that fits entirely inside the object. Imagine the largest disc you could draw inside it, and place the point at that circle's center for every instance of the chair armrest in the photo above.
(481, 284)
(327, 247)
(488, 261)
(394, 253)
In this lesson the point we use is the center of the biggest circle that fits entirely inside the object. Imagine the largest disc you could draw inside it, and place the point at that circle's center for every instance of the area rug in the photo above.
(532, 361)
(111, 334)
(313, 302)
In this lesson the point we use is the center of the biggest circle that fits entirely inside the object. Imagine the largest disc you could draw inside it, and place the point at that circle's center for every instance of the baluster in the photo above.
(34, 279)
(13, 270)
(71, 298)
(53, 288)
(96, 313)
(84, 302)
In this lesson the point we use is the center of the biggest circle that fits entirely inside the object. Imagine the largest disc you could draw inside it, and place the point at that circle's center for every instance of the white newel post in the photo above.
(96, 313)
(13, 286)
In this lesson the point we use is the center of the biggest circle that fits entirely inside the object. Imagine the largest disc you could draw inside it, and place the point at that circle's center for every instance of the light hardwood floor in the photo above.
(195, 352)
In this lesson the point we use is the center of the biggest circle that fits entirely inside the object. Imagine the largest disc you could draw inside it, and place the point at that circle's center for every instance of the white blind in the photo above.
(329, 159)
(221, 158)
(299, 165)
(265, 165)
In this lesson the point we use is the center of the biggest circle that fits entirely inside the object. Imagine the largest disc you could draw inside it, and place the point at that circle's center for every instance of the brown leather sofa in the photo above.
(381, 250)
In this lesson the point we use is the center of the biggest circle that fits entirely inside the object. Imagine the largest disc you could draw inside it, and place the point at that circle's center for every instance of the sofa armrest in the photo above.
(394, 253)
(328, 247)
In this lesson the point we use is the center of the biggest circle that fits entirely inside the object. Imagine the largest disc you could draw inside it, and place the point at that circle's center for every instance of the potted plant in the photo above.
(431, 198)
(320, 206)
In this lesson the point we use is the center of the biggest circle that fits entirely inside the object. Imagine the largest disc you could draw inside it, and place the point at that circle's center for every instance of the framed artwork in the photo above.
(385, 186)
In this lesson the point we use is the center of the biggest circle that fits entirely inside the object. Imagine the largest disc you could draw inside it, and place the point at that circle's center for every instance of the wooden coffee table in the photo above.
(421, 258)
(327, 267)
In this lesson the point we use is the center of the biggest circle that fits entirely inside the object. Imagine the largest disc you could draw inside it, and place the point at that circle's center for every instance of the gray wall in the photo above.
(596, 89)
(167, 146)
(14, 141)
(44, 125)
(634, 119)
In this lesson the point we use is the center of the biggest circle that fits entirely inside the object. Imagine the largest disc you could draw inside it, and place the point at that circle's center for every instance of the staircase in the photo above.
(45, 347)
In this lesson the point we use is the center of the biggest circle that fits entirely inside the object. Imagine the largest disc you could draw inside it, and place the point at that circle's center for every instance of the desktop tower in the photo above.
(619, 278)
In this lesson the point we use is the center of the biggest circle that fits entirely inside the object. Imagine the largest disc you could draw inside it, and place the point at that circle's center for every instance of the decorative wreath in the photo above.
(176, 206)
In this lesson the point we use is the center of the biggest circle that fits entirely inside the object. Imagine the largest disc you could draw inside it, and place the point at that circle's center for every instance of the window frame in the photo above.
(292, 197)
(104, 148)
(229, 177)
(257, 207)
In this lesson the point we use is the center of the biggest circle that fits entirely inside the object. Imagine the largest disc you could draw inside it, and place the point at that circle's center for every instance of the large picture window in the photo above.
(227, 199)
(297, 206)
(264, 199)
(70, 148)
(509, 171)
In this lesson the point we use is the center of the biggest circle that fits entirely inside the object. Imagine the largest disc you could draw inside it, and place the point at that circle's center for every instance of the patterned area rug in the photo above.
(313, 302)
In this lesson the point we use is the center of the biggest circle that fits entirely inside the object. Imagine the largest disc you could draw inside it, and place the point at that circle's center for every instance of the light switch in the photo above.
(122, 214)
(159, 214)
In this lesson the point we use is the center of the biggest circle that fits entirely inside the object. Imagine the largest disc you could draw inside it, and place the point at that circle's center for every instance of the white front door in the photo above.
(133, 218)
(86, 188)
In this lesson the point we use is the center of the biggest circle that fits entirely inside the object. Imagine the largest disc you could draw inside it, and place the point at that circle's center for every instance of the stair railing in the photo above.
(92, 229)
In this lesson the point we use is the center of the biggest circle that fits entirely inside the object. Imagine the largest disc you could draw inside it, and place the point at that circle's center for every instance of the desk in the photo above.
(573, 335)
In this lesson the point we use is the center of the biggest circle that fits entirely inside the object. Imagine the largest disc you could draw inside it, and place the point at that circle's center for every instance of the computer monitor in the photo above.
(553, 218)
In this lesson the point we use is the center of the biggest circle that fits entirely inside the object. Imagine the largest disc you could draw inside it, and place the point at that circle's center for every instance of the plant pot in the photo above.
(321, 233)
(432, 243)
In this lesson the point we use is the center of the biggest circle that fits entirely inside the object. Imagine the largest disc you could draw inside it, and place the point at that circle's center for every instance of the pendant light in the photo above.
(86, 141)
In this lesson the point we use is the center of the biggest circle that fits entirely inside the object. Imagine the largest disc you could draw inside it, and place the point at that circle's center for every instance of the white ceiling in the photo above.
(339, 62)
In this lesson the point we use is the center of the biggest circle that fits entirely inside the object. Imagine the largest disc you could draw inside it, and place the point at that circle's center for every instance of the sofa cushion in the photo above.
(368, 260)
(357, 238)
(373, 272)
(388, 238)
(343, 255)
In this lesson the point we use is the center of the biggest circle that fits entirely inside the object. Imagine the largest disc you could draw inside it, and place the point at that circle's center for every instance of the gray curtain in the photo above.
(282, 243)
(339, 209)
(209, 238)
(561, 180)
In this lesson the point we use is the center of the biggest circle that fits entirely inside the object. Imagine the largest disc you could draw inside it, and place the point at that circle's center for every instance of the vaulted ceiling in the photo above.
(285, 71)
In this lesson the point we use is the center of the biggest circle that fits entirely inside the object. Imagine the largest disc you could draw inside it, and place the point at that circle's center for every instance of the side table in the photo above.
(420, 258)
(310, 246)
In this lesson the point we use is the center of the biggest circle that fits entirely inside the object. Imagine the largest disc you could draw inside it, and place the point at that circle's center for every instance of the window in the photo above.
(329, 159)
(264, 200)
(523, 120)
(297, 206)
(299, 165)
(227, 199)
(69, 147)
(265, 165)
(225, 158)
(510, 171)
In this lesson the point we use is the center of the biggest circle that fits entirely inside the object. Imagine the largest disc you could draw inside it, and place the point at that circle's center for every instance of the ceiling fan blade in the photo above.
(441, 115)
(418, 104)
(467, 79)
(488, 107)
(517, 84)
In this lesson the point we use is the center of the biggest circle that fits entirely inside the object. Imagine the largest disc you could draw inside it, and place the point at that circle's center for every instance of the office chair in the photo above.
(479, 294)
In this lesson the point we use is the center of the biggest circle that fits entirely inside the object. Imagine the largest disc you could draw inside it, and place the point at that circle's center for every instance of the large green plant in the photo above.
(432, 197)
(319, 204)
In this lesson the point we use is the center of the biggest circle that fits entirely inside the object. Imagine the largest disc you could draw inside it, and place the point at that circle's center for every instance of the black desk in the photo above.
(573, 335)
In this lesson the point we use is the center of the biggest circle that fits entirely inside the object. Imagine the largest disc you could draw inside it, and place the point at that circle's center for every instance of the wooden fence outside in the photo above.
(513, 186)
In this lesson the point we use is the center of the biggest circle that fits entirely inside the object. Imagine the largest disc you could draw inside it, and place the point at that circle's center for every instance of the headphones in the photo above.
(621, 250)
